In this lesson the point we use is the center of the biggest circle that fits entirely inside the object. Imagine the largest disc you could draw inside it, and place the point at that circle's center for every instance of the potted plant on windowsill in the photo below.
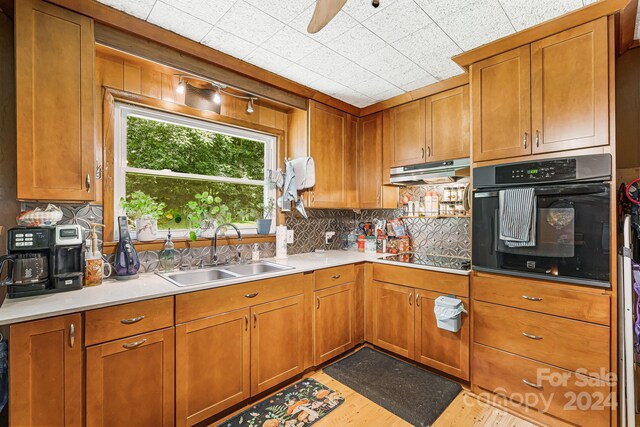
(264, 224)
(204, 213)
(144, 210)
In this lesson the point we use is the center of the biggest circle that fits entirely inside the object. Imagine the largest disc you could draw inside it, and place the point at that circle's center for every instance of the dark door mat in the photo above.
(301, 404)
(412, 393)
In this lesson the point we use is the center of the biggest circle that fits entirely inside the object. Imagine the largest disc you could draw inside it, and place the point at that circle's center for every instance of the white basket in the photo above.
(448, 311)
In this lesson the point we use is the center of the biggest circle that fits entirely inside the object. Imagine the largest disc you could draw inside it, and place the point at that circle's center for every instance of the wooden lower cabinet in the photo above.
(277, 342)
(45, 372)
(333, 322)
(131, 381)
(212, 365)
(393, 318)
(441, 349)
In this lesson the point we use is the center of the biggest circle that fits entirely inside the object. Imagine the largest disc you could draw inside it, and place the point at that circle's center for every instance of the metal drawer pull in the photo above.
(422, 153)
(417, 300)
(255, 320)
(135, 344)
(132, 320)
(530, 384)
(531, 298)
(335, 276)
(88, 182)
(410, 298)
(524, 140)
(533, 337)
(246, 322)
(72, 335)
(253, 295)
(318, 303)
(537, 138)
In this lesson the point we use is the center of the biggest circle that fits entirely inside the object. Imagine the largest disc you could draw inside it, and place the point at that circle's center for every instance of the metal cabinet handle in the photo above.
(531, 298)
(335, 277)
(72, 335)
(537, 138)
(530, 384)
(246, 322)
(533, 337)
(255, 319)
(135, 344)
(318, 303)
(524, 140)
(417, 300)
(428, 151)
(252, 295)
(132, 320)
(313, 197)
(422, 153)
(410, 298)
(88, 182)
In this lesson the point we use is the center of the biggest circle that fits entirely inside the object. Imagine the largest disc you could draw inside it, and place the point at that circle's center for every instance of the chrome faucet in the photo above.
(214, 255)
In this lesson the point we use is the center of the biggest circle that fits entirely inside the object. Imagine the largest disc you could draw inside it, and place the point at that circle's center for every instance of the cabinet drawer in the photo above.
(505, 374)
(334, 276)
(196, 305)
(436, 281)
(110, 323)
(560, 342)
(543, 297)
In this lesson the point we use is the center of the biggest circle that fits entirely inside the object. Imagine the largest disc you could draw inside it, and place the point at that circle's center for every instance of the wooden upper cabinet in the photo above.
(570, 89)
(501, 107)
(131, 381)
(332, 147)
(370, 161)
(54, 103)
(393, 323)
(45, 372)
(407, 134)
(447, 125)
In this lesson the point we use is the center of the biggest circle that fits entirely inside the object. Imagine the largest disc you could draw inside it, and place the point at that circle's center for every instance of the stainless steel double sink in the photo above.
(214, 274)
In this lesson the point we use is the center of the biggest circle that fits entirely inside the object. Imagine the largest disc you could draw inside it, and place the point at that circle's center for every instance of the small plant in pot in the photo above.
(204, 213)
(144, 211)
(264, 224)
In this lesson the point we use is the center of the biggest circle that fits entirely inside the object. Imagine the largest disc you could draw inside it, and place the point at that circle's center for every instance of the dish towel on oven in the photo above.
(518, 217)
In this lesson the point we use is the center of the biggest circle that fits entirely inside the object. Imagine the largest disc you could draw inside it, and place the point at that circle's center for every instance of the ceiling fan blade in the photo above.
(324, 12)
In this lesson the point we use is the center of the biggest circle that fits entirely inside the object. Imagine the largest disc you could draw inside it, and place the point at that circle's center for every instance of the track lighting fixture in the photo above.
(250, 106)
(181, 87)
(216, 96)
(217, 88)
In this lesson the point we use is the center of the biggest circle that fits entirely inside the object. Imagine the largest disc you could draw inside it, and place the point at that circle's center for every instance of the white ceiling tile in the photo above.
(419, 83)
(470, 23)
(249, 23)
(291, 44)
(337, 26)
(206, 10)
(526, 13)
(282, 10)
(139, 9)
(361, 10)
(324, 61)
(382, 96)
(374, 86)
(398, 20)
(300, 74)
(351, 75)
(328, 86)
(267, 60)
(228, 43)
(384, 61)
(405, 74)
(178, 21)
(356, 43)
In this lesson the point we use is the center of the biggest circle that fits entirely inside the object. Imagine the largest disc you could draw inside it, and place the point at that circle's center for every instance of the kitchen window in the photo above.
(172, 158)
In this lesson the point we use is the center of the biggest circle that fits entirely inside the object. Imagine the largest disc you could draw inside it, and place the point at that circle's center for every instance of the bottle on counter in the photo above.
(421, 210)
(255, 252)
(167, 255)
(95, 269)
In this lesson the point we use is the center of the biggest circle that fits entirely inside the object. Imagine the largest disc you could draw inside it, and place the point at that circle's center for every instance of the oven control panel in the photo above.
(532, 172)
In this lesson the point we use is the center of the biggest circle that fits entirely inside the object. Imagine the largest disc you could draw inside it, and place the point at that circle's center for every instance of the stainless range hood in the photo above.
(430, 173)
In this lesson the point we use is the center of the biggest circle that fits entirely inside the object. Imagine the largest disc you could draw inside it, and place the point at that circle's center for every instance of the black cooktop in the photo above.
(442, 261)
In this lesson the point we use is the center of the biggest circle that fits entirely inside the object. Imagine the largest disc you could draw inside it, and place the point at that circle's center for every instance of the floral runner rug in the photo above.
(299, 405)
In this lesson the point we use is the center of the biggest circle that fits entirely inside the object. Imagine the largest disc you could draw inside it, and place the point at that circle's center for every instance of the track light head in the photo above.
(250, 106)
(181, 88)
(216, 96)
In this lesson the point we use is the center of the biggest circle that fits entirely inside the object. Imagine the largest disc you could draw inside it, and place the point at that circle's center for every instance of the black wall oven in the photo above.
(572, 218)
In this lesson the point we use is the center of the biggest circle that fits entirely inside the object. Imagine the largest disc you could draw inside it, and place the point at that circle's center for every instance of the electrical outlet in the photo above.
(328, 237)
(289, 236)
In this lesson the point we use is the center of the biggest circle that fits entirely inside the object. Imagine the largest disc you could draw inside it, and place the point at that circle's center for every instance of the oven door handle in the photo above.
(572, 190)
(484, 194)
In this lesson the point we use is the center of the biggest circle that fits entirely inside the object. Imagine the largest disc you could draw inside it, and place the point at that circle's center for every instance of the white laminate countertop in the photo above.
(150, 285)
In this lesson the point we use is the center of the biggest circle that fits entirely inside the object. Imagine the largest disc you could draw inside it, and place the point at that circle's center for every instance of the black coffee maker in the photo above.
(43, 260)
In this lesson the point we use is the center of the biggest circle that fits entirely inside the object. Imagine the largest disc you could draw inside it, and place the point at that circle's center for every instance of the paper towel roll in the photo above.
(281, 242)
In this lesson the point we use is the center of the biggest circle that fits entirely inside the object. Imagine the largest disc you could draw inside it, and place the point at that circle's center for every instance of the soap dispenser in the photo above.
(167, 255)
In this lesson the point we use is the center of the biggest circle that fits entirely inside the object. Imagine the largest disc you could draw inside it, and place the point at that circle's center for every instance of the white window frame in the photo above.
(123, 110)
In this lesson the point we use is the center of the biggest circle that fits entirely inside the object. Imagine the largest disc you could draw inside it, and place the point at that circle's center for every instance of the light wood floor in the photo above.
(357, 410)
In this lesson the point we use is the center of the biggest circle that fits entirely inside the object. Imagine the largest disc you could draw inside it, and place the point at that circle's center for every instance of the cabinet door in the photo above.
(330, 147)
(570, 89)
(54, 103)
(501, 97)
(408, 134)
(45, 372)
(333, 322)
(277, 344)
(370, 161)
(393, 318)
(447, 125)
(441, 349)
(212, 365)
(131, 381)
